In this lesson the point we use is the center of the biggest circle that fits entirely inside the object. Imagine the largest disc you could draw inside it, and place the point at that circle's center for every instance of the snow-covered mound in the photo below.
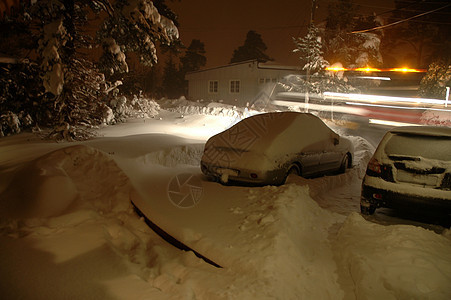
(394, 262)
(72, 176)
(186, 107)
(285, 245)
(174, 156)
(67, 229)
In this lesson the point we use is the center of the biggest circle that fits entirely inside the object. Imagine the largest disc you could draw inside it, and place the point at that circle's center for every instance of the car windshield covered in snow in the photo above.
(265, 148)
(432, 147)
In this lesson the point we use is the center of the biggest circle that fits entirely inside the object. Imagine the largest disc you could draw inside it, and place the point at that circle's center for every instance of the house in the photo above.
(238, 83)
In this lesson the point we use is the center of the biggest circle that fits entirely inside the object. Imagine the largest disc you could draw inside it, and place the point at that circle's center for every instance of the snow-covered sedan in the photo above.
(266, 148)
(411, 168)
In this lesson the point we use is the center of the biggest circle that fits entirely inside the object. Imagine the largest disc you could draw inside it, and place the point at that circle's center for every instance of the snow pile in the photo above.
(394, 262)
(67, 229)
(137, 107)
(287, 248)
(51, 184)
(186, 107)
(174, 156)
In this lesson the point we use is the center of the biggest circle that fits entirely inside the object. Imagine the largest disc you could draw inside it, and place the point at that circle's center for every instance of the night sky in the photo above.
(222, 25)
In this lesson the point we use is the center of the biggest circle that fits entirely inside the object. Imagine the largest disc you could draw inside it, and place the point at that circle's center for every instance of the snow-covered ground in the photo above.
(68, 230)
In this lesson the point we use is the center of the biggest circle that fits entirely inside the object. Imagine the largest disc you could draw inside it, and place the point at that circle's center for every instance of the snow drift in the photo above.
(67, 229)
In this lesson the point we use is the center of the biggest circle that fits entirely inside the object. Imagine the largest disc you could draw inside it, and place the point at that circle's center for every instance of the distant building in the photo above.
(238, 83)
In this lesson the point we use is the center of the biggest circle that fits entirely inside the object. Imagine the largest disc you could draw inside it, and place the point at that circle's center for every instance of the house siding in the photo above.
(247, 73)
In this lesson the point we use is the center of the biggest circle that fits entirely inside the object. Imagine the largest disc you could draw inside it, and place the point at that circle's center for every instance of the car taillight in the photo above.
(374, 166)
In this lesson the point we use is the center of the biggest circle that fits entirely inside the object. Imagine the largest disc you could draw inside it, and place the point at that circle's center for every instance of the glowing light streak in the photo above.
(371, 69)
(406, 70)
(391, 123)
(384, 106)
(336, 69)
(319, 107)
(377, 98)
(367, 69)
(397, 107)
(374, 77)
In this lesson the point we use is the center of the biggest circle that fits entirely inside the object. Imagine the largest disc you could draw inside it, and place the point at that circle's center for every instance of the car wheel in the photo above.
(344, 164)
(292, 170)
(367, 210)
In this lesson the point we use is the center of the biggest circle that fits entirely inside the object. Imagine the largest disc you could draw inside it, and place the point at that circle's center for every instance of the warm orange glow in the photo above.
(336, 69)
(370, 69)
(406, 70)
(367, 69)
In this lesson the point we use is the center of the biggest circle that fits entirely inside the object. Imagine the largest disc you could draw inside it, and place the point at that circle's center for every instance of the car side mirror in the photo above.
(336, 141)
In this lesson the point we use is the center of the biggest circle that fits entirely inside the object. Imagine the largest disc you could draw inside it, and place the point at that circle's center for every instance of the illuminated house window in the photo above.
(234, 86)
(213, 86)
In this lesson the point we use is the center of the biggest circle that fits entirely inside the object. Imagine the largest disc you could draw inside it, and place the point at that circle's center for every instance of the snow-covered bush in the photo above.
(20, 96)
(9, 122)
(438, 77)
(135, 107)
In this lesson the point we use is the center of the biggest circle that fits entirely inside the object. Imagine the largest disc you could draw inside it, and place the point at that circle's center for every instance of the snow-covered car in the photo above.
(411, 168)
(265, 148)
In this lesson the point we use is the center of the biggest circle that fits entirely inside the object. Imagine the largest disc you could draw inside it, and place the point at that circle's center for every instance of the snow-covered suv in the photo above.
(411, 168)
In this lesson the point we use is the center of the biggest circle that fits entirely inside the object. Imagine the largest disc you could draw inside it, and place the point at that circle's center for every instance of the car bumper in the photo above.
(273, 177)
(382, 198)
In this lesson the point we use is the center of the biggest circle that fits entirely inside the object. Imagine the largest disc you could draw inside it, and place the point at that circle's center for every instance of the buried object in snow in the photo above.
(266, 148)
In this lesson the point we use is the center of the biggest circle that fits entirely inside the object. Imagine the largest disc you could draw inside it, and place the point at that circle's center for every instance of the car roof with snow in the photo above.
(275, 131)
(423, 130)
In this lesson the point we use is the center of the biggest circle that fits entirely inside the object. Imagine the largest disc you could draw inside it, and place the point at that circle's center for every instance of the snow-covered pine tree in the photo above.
(73, 87)
(310, 49)
(133, 26)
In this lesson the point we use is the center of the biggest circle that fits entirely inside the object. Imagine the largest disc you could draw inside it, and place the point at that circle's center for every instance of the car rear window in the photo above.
(433, 147)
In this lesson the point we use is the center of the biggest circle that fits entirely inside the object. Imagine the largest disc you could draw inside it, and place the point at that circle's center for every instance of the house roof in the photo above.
(260, 65)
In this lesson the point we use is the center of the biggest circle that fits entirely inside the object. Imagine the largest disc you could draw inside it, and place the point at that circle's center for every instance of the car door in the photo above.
(310, 161)
(331, 156)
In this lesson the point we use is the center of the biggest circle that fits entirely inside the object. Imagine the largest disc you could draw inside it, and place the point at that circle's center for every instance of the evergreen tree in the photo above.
(310, 51)
(193, 60)
(318, 80)
(253, 48)
(72, 86)
(343, 46)
(134, 26)
(172, 84)
(194, 57)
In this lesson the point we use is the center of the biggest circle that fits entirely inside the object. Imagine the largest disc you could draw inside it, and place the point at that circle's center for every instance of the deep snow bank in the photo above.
(285, 244)
(50, 184)
(394, 262)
